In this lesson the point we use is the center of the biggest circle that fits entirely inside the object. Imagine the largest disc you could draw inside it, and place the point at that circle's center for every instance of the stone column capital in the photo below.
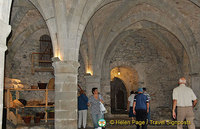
(91, 82)
(196, 74)
(65, 66)
(89, 78)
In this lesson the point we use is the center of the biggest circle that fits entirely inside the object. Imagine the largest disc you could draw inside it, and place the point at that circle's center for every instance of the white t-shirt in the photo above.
(184, 95)
(130, 99)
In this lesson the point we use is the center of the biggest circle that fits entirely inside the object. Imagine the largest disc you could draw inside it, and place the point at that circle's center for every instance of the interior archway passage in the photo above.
(118, 96)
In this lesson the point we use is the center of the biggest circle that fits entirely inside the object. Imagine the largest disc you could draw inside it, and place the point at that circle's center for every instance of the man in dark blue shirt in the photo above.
(82, 109)
(141, 108)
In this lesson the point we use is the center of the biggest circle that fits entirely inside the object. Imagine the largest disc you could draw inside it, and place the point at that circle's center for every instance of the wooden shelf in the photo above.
(48, 119)
(46, 106)
(36, 60)
(32, 106)
(12, 89)
(35, 124)
(41, 106)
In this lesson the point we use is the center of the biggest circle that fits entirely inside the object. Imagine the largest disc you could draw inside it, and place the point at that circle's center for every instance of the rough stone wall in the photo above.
(27, 28)
(81, 73)
(160, 73)
(20, 68)
(23, 41)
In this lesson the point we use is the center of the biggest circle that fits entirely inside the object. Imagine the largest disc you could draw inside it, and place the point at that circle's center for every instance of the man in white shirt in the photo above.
(185, 100)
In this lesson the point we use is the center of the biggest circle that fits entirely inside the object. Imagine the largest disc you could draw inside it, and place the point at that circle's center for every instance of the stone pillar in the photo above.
(105, 88)
(196, 89)
(91, 82)
(5, 30)
(65, 93)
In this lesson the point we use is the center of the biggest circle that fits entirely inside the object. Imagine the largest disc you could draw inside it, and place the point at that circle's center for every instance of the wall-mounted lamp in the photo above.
(118, 71)
(58, 54)
(55, 59)
(89, 72)
(57, 49)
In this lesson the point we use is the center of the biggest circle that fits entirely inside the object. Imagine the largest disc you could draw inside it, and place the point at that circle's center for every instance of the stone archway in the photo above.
(150, 68)
(66, 31)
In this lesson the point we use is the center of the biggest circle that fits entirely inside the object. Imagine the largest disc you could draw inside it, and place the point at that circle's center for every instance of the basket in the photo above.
(42, 85)
(37, 119)
(40, 114)
(34, 87)
(27, 119)
(51, 114)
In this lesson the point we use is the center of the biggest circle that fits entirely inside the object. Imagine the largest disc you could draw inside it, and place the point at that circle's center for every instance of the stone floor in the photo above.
(134, 127)
(126, 123)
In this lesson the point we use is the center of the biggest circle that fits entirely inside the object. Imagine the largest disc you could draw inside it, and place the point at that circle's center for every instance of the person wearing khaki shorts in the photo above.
(185, 100)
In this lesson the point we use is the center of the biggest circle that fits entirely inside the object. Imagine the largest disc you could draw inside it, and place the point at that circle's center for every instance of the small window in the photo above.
(46, 51)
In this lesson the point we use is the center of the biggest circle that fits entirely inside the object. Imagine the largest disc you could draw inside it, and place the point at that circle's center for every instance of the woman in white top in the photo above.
(130, 104)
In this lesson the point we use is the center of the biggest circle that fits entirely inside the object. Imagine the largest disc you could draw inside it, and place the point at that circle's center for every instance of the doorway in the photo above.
(118, 97)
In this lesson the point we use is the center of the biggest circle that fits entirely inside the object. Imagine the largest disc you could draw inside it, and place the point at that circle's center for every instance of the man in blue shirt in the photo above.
(82, 109)
(141, 108)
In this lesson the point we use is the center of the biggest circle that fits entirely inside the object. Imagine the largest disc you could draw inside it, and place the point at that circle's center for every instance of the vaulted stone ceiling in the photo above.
(167, 25)
(25, 20)
(28, 26)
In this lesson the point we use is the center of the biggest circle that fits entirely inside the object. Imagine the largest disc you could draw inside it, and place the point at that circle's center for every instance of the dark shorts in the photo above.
(141, 115)
(131, 112)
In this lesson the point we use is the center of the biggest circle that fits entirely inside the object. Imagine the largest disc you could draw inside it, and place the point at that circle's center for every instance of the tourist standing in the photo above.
(94, 102)
(185, 100)
(82, 109)
(141, 108)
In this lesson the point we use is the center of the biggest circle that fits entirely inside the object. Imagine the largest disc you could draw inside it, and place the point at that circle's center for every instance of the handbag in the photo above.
(102, 108)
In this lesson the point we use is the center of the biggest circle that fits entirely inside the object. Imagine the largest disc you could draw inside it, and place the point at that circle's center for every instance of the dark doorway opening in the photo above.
(118, 97)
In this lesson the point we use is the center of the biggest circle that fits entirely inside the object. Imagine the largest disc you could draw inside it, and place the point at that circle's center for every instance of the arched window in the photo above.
(46, 51)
